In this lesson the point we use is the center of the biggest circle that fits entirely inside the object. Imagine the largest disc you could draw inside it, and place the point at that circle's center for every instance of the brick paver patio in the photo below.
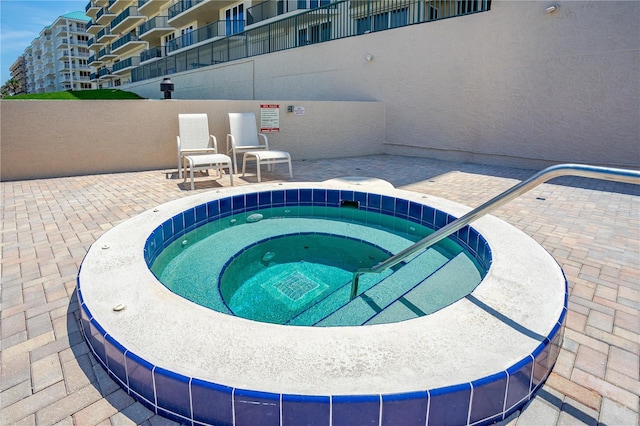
(592, 228)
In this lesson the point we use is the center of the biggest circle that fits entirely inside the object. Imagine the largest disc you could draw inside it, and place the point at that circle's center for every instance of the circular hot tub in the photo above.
(472, 361)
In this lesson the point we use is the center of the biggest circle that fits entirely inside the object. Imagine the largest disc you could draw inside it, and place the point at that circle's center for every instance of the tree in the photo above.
(10, 88)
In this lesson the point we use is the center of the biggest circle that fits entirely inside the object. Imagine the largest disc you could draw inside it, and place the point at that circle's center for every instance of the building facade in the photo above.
(57, 59)
(134, 40)
(19, 75)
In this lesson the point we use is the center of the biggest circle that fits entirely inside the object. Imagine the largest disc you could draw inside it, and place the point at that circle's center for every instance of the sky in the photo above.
(22, 20)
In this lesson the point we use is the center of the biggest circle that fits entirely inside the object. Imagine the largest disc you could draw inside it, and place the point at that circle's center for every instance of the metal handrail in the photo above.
(604, 173)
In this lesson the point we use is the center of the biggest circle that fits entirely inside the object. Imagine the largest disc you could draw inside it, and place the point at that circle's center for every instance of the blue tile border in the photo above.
(192, 400)
(197, 401)
(427, 216)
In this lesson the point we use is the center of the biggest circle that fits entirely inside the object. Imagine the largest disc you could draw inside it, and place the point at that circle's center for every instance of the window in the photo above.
(433, 13)
(234, 19)
(187, 36)
(383, 21)
(314, 34)
(467, 6)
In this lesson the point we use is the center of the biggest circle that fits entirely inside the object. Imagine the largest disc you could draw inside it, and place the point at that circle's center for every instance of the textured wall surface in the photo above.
(513, 86)
(41, 139)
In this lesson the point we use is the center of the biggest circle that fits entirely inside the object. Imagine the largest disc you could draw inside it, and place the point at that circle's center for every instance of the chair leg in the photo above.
(229, 165)
(190, 173)
(290, 170)
(258, 167)
(235, 162)
(244, 164)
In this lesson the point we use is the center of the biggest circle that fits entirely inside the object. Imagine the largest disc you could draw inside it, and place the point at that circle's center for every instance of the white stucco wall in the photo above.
(513, 86)
(40, 139)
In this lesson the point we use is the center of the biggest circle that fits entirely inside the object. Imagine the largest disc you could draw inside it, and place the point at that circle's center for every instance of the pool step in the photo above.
(453, 281)
(374, 299)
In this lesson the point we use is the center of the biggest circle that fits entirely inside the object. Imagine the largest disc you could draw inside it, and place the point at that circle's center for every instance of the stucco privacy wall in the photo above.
(40, 139)
(513, 86)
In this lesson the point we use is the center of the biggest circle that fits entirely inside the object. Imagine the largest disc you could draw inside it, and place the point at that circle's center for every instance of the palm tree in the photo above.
(10, 88)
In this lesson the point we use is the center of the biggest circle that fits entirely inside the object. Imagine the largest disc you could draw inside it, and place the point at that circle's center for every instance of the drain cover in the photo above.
(295, 286)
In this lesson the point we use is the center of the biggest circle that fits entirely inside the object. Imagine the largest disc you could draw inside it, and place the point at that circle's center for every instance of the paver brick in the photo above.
(605, 389)
(624, 362)
(26, 407)
(617, 414)
(591, 228)
(572, 389)
(94, 413)
(601, 321)
(46, 372)
(591, 361)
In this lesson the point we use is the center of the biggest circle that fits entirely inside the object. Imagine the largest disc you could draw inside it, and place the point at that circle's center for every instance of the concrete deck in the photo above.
(592, 228)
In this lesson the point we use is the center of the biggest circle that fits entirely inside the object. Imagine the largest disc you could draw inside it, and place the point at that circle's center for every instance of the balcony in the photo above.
(106, 36)
(127, 19)
(91, 9)
(105, 73)
(272, 8)
(185, 11)
(208, 32)
(60, 31)
(155, 28)
(116, 6)
(154, 52)
(62, 43)
(150, 7)
(93, 28)
(103, 17)
(125, 65)
(126, 44)
(105, 55)
(73, 54)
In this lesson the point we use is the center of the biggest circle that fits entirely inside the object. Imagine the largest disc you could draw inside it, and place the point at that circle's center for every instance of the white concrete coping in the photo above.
(458, 344)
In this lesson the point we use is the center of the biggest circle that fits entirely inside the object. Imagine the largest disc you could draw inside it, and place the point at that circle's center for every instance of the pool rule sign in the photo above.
(269, 118)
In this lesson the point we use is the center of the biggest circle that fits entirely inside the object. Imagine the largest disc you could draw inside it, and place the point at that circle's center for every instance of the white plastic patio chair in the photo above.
(198, 149)
(243, 138)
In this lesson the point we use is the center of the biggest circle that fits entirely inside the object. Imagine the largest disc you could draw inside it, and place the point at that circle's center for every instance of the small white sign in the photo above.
(298, 111)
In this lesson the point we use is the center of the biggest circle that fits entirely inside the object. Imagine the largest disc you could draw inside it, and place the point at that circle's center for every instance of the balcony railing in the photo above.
(213, 30)
(104, 52)
(129, 11)
(339, 19)
(272, 8)
(156, 22)
(104, 32)
(123, 40)
(126, 63)
(181, 6)
(154, 52)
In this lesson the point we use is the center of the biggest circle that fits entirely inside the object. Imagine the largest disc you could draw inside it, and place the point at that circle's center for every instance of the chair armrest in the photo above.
(264, 139)
(215, 143)
(231, 139)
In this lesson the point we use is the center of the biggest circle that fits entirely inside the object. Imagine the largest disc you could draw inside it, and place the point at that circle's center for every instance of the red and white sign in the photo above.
(269, 118)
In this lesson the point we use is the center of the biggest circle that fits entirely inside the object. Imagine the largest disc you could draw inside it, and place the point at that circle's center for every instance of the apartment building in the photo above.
(128, 33)
(134, 40)
(58, 58)
(19, 74)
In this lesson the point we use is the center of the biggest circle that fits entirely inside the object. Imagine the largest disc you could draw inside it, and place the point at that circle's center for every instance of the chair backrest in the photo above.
(194, 131)
(242, 125)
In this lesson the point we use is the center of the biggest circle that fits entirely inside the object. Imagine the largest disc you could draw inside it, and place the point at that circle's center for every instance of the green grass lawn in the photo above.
(113, 94)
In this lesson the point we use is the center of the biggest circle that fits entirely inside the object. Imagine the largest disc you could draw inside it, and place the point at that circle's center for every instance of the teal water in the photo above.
(296, 264)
